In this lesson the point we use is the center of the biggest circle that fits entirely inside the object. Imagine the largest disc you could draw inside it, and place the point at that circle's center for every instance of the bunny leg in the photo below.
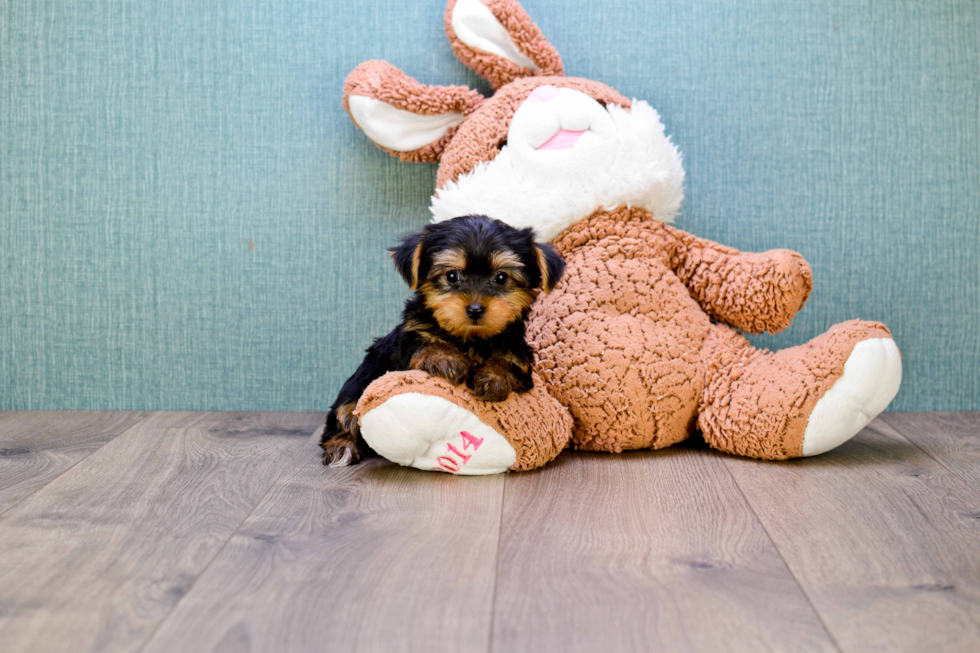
(420, 421)
(800, 401)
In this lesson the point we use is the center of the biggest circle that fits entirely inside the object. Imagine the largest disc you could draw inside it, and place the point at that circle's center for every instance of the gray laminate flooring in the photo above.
(171, 532)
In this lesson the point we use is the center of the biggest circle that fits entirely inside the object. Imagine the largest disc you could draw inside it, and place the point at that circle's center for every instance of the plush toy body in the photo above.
(639, 345)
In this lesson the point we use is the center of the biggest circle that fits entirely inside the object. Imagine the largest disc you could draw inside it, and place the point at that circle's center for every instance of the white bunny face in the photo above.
(556, 126)
(567, 156)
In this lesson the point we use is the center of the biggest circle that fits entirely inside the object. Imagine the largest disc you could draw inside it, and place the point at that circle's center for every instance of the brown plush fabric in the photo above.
(751, 292)
(626, 343)
(480, 138)
(536, 425)
(618, 341)
(523, 32)
(379, 80)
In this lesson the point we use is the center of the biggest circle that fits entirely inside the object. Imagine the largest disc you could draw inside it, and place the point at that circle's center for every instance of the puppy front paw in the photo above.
(445, 365)
(490, 385)
(341, 451)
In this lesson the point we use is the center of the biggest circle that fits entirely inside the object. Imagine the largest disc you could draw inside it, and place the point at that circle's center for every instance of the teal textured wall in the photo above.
(188, 220)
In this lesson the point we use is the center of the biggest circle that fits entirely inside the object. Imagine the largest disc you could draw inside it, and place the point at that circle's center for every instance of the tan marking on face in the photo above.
(450, 258)
(518, 275)
(449, 310)
(521, 298)
(504, 259)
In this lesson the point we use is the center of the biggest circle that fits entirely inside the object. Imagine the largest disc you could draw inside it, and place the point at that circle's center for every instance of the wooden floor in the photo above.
(173, 532)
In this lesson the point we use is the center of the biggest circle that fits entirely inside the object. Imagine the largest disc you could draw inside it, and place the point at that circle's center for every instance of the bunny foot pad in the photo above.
(872, 376)
(433, 434)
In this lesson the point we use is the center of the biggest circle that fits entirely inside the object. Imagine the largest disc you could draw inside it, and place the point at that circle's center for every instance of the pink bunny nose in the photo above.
(544, 93)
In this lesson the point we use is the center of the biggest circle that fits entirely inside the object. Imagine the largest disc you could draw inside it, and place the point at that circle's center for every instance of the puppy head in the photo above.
(477, 275)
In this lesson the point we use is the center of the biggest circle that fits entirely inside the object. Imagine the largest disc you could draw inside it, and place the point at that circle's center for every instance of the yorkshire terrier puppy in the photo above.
(474, 280)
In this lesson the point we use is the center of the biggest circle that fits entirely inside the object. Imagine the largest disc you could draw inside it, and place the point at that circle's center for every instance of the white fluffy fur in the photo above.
(628, 161)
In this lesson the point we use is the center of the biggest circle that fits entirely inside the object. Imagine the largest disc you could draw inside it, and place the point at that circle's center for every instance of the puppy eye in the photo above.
(452, 276)
(500, 278)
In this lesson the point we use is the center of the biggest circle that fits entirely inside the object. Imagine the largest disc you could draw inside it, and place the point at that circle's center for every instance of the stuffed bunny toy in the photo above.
(641, 342)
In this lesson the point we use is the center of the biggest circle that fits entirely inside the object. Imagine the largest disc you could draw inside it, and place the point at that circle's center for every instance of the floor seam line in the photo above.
(806, 595)
(166, 617)
(496, 565)
(82, 459)
(941, 463)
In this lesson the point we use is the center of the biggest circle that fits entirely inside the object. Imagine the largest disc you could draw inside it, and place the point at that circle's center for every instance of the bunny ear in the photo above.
(497, 39)
(409, 120)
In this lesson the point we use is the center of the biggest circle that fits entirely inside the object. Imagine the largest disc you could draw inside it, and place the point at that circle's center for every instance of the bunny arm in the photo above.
(754, 292)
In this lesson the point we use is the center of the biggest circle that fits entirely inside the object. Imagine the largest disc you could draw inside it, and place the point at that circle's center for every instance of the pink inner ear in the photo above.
(562, 140)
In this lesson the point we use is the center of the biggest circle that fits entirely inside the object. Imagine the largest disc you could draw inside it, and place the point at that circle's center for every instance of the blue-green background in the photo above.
(188, 219)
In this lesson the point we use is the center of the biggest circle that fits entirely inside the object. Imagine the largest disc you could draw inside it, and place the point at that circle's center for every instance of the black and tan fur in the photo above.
(474, 281)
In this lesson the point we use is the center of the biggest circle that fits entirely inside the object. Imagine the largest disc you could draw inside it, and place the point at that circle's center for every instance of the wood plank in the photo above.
(652, 551)
(96, 559)
(38, 446)
(373, 557)
(883, 539)
(953, 439)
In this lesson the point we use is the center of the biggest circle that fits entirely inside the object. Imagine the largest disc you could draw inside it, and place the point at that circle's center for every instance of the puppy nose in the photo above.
(476, 310)
(544, 93)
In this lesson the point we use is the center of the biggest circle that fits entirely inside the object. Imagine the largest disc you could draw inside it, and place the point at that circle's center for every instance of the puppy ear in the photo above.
(552, 266)
(407, 258)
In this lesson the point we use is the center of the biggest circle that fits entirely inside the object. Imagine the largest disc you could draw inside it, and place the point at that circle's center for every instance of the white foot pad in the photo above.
(872, 374)
(433, 434)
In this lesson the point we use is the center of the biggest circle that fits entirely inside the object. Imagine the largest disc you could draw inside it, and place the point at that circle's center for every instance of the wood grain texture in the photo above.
(368, 558)
(953, 439)
(37, 447)
(884, 540)
(97, 558)
(223, 532)
(642, 552)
